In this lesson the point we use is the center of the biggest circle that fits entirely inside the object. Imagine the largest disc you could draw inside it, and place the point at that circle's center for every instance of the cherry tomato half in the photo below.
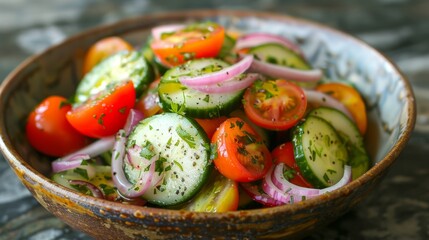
(200, 40)
(284, 154)
(210, 124)
(102, 49)
(351, 99)
(105, 113)
(275, 104)
(241, 154)
(148, 103)
(48, 130)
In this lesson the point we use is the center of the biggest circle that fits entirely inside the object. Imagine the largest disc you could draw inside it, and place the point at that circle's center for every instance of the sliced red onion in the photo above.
(132, 154)
(235, 84)
(121, 182)
(283, 72)
(323, 99)
(70, 160)
(257, 194)
(79, 156)
(298, 193)
(74, 159)
(95, 191)
(159, 30)
(279, 188)
(219, 76)
(134, 117)
(117, 162)
(254, 39)
(96, 148)
(147, 178)
(347, 177)
(137, 161)
(272, 190)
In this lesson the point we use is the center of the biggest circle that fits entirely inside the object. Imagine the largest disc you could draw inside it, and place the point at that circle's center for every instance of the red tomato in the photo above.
(351, 99)
(48, 130)
(201, 40)
(284, 154)
(210, 125)
(275, 104)
(241, 154)
(105, 113)
(149, 102)
(102, 49)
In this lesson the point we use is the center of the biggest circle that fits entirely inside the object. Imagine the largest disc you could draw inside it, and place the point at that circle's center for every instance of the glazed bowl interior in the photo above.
(388, 96)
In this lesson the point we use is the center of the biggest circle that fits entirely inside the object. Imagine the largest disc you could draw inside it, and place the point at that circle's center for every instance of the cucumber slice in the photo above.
(319, 152)
(278, 54)
(118, 67)
(176, 97)
(227, 47)
(148, 54)
(98, 175)
(183, 151)
(349, 133)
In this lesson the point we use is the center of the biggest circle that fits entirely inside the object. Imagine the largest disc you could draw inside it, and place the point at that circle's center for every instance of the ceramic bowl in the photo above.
(388, 95)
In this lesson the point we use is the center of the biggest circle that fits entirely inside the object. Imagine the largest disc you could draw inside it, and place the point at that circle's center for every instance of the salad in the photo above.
(202, 119)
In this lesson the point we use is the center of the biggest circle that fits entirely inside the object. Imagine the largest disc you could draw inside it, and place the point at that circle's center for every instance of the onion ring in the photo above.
(323, 99)
(120, 180)
(95, 191)
(235, 84)
(219, 76)
(272, 190)
(254, 39)
(287, 73)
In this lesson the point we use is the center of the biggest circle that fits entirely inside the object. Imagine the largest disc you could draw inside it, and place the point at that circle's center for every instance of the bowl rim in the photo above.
(20, 166)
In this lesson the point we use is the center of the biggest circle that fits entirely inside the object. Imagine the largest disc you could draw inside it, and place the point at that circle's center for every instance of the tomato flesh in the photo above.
(241, 154)
(220, 194)
(105, 113)
(148, 103)
(284, 154)
(203, 40)
(210, 124)
(102, 49)
(275, 104)
(48, 130)
(351, 99)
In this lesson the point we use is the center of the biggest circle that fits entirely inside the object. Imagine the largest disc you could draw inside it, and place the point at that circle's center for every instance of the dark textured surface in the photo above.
(399, 209)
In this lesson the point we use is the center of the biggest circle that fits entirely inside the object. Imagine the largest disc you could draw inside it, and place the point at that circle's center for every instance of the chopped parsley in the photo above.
(82, 172)
(178, 164)
(213, 151)
(147, 150)
(186, 136)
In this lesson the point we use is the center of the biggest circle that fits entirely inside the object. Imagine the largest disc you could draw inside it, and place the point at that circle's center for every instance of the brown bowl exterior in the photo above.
(56, 71)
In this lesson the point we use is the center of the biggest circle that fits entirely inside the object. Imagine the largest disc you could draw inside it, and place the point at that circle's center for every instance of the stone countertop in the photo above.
(398, 209)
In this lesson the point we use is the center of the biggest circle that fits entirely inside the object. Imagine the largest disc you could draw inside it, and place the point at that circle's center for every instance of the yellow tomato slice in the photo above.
(103, 49)
(220, 194)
